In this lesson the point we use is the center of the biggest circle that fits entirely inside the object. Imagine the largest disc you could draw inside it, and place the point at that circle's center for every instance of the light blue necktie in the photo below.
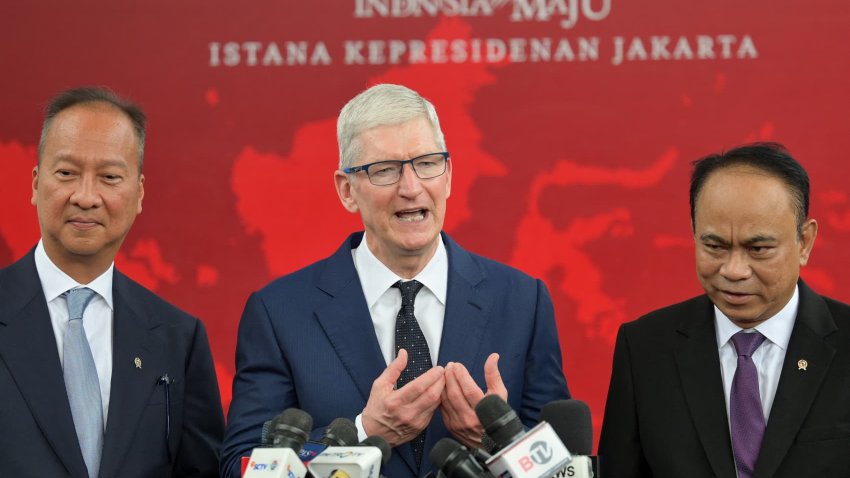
(81, 381)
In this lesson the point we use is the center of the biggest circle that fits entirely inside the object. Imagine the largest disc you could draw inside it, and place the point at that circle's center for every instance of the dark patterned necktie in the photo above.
(409, 336)
(745, 410)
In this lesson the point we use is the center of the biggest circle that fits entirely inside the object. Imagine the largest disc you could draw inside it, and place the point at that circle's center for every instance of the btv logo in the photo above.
(539, 454)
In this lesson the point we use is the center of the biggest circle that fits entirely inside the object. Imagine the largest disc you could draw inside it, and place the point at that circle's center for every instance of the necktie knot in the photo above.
(78, 299)
(747, 343)
(408, 290)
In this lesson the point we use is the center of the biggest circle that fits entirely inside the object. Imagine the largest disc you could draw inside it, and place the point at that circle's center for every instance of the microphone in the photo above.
(341, 432)
(538, 453)
(455, 461)
(571, 421)
(361, 461)
(281, 441)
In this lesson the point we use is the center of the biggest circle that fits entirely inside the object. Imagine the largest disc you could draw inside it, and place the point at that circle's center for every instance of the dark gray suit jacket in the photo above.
(37, 437)
(666, 411)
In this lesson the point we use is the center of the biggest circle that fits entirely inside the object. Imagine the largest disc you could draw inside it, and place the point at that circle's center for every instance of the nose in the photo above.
(86, 194)
(736, 267)
(409, 185)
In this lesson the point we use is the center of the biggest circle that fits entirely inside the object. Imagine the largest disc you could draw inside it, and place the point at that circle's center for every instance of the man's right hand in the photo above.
(400, 415)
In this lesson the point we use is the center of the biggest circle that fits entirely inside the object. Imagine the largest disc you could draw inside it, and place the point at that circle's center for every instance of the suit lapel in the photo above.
(132, 384)
(699, 371)
(28, 348)
(346, 320)
(464, 322)
(797, 389)
(464, 325)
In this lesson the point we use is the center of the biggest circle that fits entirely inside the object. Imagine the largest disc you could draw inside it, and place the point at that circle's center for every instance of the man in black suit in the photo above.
(98, 376)
(752, 378)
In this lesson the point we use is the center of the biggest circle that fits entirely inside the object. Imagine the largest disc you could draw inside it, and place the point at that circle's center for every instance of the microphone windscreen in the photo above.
(290, 429)
(442, 451)
(571, 421)
(499, 420)
(381, 444)
(341, 432)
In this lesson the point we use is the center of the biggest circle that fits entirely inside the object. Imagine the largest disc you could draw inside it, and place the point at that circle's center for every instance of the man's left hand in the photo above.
(461, 395)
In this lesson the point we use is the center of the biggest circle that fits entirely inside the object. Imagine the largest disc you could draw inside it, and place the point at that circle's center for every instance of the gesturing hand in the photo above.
(400, 415)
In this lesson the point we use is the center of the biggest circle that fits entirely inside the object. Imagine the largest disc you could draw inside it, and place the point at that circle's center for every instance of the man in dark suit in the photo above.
(341, 338)
(752, 377)
(98, 376)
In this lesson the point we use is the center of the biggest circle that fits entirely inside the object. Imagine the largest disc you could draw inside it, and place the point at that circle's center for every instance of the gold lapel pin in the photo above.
(802, 364)
(138, 362)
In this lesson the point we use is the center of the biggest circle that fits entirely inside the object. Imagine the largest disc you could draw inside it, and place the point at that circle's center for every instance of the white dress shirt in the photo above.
(768, 358)
(97, 318)
(384, 301)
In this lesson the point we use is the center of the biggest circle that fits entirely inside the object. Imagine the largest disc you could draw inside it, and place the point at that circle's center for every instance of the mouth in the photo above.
(82, 223)
(412, 215)
(736, 298)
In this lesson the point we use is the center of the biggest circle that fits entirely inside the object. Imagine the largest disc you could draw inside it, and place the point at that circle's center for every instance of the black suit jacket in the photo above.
(666, 412)
(37, 437)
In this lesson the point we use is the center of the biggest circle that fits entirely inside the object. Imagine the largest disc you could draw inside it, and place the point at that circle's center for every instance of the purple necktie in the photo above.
(745, 411)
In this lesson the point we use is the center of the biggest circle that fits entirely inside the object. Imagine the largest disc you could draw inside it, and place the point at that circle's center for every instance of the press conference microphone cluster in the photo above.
(536, 453)
(571, 421)
(285, 451)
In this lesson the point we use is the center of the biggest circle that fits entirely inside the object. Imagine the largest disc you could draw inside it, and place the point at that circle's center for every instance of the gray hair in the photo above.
(381, 105)
(93, 95)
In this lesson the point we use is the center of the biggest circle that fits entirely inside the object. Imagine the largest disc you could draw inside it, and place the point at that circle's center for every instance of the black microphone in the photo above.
(501, 424)
(538, 453)
(341, 432)
(290, 429)
(282, 437)
(364, 460)
(572, 422)
(455, 461)
(381, 444)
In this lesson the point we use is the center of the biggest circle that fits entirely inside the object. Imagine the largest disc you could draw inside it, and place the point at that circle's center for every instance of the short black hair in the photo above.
(94, 94)
(772, 158)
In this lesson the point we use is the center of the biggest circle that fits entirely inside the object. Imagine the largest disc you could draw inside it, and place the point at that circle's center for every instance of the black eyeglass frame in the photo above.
(365, 167)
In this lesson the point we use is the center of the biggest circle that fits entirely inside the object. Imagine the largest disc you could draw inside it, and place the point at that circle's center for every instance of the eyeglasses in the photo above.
(384, 173)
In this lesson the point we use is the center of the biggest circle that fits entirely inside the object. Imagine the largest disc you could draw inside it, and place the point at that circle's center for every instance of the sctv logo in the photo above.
(539, 453)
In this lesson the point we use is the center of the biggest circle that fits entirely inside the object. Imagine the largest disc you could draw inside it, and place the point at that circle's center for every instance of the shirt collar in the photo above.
(55, 282)
(376, 278)
(777, 329)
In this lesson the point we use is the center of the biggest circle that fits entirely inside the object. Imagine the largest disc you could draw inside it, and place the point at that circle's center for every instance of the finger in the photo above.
(493, 378)
(393, 371)
(453, 394)
(412, 391)
(469, 389)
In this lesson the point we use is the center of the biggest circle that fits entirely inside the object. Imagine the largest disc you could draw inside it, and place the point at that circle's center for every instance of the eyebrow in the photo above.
(758, 238)
(118, 163)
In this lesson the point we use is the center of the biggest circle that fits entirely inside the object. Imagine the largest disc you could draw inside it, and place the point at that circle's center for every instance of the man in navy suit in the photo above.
(751, 379)
(118, 383)
(332, 338)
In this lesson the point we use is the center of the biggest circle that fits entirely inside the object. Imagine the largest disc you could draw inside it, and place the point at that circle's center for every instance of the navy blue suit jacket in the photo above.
(37, 437)
(307, 340)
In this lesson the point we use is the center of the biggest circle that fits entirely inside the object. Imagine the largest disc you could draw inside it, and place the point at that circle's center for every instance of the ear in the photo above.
(449, 179)
(807, 241)
(141, 192)
(344, 189)
(34, 198)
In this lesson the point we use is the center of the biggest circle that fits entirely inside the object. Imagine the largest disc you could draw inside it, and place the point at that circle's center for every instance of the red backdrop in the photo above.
(571, 126)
